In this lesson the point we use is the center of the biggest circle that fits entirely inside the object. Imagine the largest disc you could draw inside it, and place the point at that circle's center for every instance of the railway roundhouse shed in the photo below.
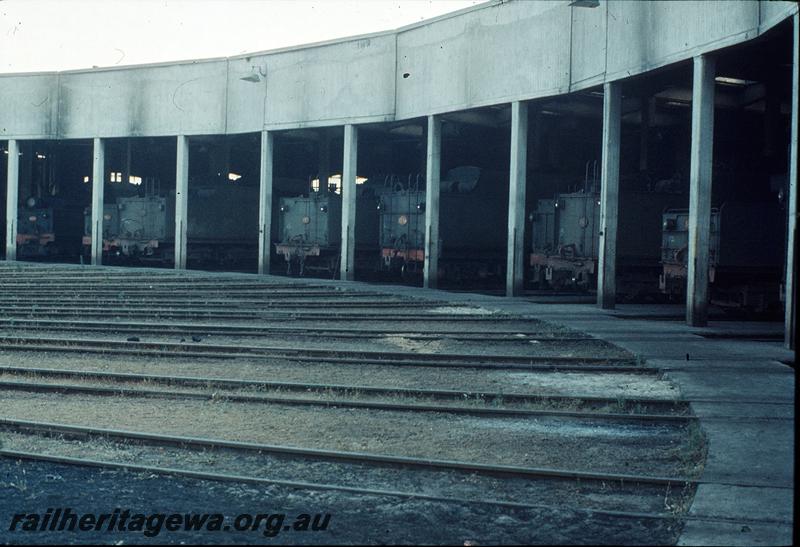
(610, 186)
(517, 82)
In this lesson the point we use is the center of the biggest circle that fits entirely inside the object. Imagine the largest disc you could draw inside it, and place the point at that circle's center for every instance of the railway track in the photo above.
(56, 325)
(399, 358)
(492, 469)
(659, 406)
(441, 480)
(297, 314)
(635, 413)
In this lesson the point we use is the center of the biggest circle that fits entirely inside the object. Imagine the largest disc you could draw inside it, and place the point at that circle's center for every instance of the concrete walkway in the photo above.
(741, 389)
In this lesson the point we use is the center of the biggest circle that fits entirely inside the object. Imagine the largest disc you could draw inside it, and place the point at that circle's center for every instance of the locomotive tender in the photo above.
(222, 225)
(468, 249)
(565, 242)
(48, 227)
(309, 229)
(745, 259)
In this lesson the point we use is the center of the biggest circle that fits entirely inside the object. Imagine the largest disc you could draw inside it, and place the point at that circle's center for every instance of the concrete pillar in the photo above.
(98, 185)
(181, 201)
(349, 166)
(791, 261)
(12, 199)
(265, 202)
(700, 190)
(515, 261)
(433, 166)
(609, 197)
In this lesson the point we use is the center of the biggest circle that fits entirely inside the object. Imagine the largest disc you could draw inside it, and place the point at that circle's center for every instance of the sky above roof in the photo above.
(45, 35)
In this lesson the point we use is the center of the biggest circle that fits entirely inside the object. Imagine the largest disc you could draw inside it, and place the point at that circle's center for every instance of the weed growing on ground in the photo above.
(695, 451)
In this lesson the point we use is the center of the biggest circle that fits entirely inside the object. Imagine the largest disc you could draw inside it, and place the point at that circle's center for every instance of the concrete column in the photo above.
(349, 166)
(700, 190)
(265, 202)
(181, 201)
(433, 167)
(98, 186)
(609, 197)
(12, 199)
(515, 261)
(791, 261)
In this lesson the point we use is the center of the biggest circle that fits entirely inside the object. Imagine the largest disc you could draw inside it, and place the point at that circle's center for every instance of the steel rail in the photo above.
(118, 297)
(206, 296)
(543, 334)
(271, 331)
(55, 284)
(205, 306)
(206, 300)
(554, 367)
(298, 315)
(337, 455)
(39, 387)
(272, 351)
(206, 381)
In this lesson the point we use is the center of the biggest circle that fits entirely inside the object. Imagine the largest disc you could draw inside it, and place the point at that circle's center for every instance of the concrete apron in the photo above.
(742, 393)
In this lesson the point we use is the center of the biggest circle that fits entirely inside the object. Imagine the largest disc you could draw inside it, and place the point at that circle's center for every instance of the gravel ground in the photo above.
(354, 518)
(538, 442)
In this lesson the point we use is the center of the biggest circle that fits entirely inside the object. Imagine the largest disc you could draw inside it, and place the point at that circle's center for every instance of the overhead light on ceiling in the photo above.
(584, 3)
(407, 130)
(255, 76)
(738, 82)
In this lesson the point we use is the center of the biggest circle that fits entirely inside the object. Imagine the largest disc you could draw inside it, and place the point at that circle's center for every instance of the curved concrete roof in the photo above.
(489, 54)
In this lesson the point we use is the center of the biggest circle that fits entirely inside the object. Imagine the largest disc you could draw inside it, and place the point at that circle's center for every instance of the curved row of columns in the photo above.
(702, 136)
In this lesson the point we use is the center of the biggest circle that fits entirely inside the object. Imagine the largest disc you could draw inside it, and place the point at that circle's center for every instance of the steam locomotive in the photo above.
(48, 228)
(468, 249)
(222, 226)
(745, 254)
(565, 239)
